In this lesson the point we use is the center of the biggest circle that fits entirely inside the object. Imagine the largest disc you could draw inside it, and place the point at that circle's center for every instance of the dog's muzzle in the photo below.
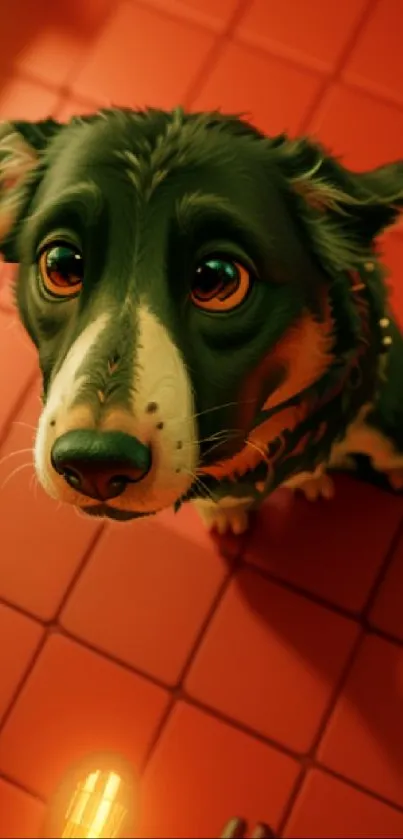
(100, 464)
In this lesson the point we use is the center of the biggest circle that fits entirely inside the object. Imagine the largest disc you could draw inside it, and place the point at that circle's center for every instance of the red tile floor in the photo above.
(262, 677)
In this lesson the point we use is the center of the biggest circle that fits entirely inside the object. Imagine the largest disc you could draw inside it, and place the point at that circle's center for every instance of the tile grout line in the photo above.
(177, 693)
(336, 693)
(222, 718)
(214, 54)
(93, 544)
(300, 591)
(192, 24)
(49, 627)
(203, 628)
(157, 734)
(327, 770)
(59, 629)
(303, 760)
(22, 681)
(335, 608)
(23, 611)
(212, 712)
(309, 116)
(289, 806)
(243, 728)
(63, 92)
(14, 782)
(311, 756)
(79, 65)
(339, 65)
(381, 575)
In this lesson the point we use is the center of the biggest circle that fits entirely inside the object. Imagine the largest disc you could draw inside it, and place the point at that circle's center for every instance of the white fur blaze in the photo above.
(61, 395)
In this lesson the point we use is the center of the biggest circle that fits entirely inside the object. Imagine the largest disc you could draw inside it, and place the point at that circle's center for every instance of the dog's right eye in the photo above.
(220, 285)
(61, 270)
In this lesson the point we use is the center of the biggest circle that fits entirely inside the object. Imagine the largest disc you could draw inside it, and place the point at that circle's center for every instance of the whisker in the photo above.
(214, 408)
(14, 473)
(33, 485)
(25, 425)
(219, 436)
(257, 449)
(199, 483)
(14, 454)
(212, 448)
(221, 407)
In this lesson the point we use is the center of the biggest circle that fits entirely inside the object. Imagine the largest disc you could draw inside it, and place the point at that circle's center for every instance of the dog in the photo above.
(209, 309)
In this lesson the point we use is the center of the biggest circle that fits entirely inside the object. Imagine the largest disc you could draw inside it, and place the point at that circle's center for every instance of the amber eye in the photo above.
(61, 270)
(220, 285)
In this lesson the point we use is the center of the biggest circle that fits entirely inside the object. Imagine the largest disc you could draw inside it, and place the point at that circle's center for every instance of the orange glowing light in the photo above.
(95, 810)
(92, 804)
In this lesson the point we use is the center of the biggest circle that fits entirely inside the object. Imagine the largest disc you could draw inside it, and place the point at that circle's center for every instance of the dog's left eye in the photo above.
(61, 270)
(220, 285)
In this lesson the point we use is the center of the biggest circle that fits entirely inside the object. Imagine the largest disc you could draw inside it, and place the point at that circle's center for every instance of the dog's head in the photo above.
(175, 276)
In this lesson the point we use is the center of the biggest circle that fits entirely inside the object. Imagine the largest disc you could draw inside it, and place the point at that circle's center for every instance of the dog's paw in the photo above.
(313, 487)
(224, 517)
(321, 486)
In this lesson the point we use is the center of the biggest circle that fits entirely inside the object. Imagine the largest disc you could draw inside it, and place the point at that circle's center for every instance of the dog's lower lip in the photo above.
(106, 512)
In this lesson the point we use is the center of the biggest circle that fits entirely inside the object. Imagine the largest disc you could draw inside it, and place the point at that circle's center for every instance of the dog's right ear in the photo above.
(23, 148)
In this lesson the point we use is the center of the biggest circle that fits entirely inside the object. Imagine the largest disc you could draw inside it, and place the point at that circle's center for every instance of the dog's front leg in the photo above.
(228, 515)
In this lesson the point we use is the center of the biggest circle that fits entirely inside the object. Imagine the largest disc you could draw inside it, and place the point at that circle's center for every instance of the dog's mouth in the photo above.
(104, 511)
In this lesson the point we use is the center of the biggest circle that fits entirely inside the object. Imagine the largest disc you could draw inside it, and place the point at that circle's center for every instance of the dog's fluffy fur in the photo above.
(226, 330)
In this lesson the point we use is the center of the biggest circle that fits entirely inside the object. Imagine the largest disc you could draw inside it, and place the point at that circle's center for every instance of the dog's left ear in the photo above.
(22, 149)
(344, 211)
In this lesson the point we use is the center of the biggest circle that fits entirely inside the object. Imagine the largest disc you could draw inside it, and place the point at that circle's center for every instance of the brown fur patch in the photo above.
(304, 353)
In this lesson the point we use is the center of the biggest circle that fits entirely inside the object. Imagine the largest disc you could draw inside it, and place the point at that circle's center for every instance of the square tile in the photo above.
(75, 703)
(143, 58)
(272, 94)
(144, 596)
(18, 366)
(203, 772)
(333, 549)
(35, 569)
(19, 640)
(23, 99)
(301, 31)
(22, 816)
(271, 660)
(364, 131)
(376, 62)
(329, 807)
(208, 13)
(387, 612)
(364, 738)
(46, 42)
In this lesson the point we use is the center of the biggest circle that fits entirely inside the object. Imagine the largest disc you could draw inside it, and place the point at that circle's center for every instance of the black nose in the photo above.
(100, 464)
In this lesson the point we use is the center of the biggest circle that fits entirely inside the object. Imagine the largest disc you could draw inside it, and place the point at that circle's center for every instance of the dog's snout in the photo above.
(100, 464)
